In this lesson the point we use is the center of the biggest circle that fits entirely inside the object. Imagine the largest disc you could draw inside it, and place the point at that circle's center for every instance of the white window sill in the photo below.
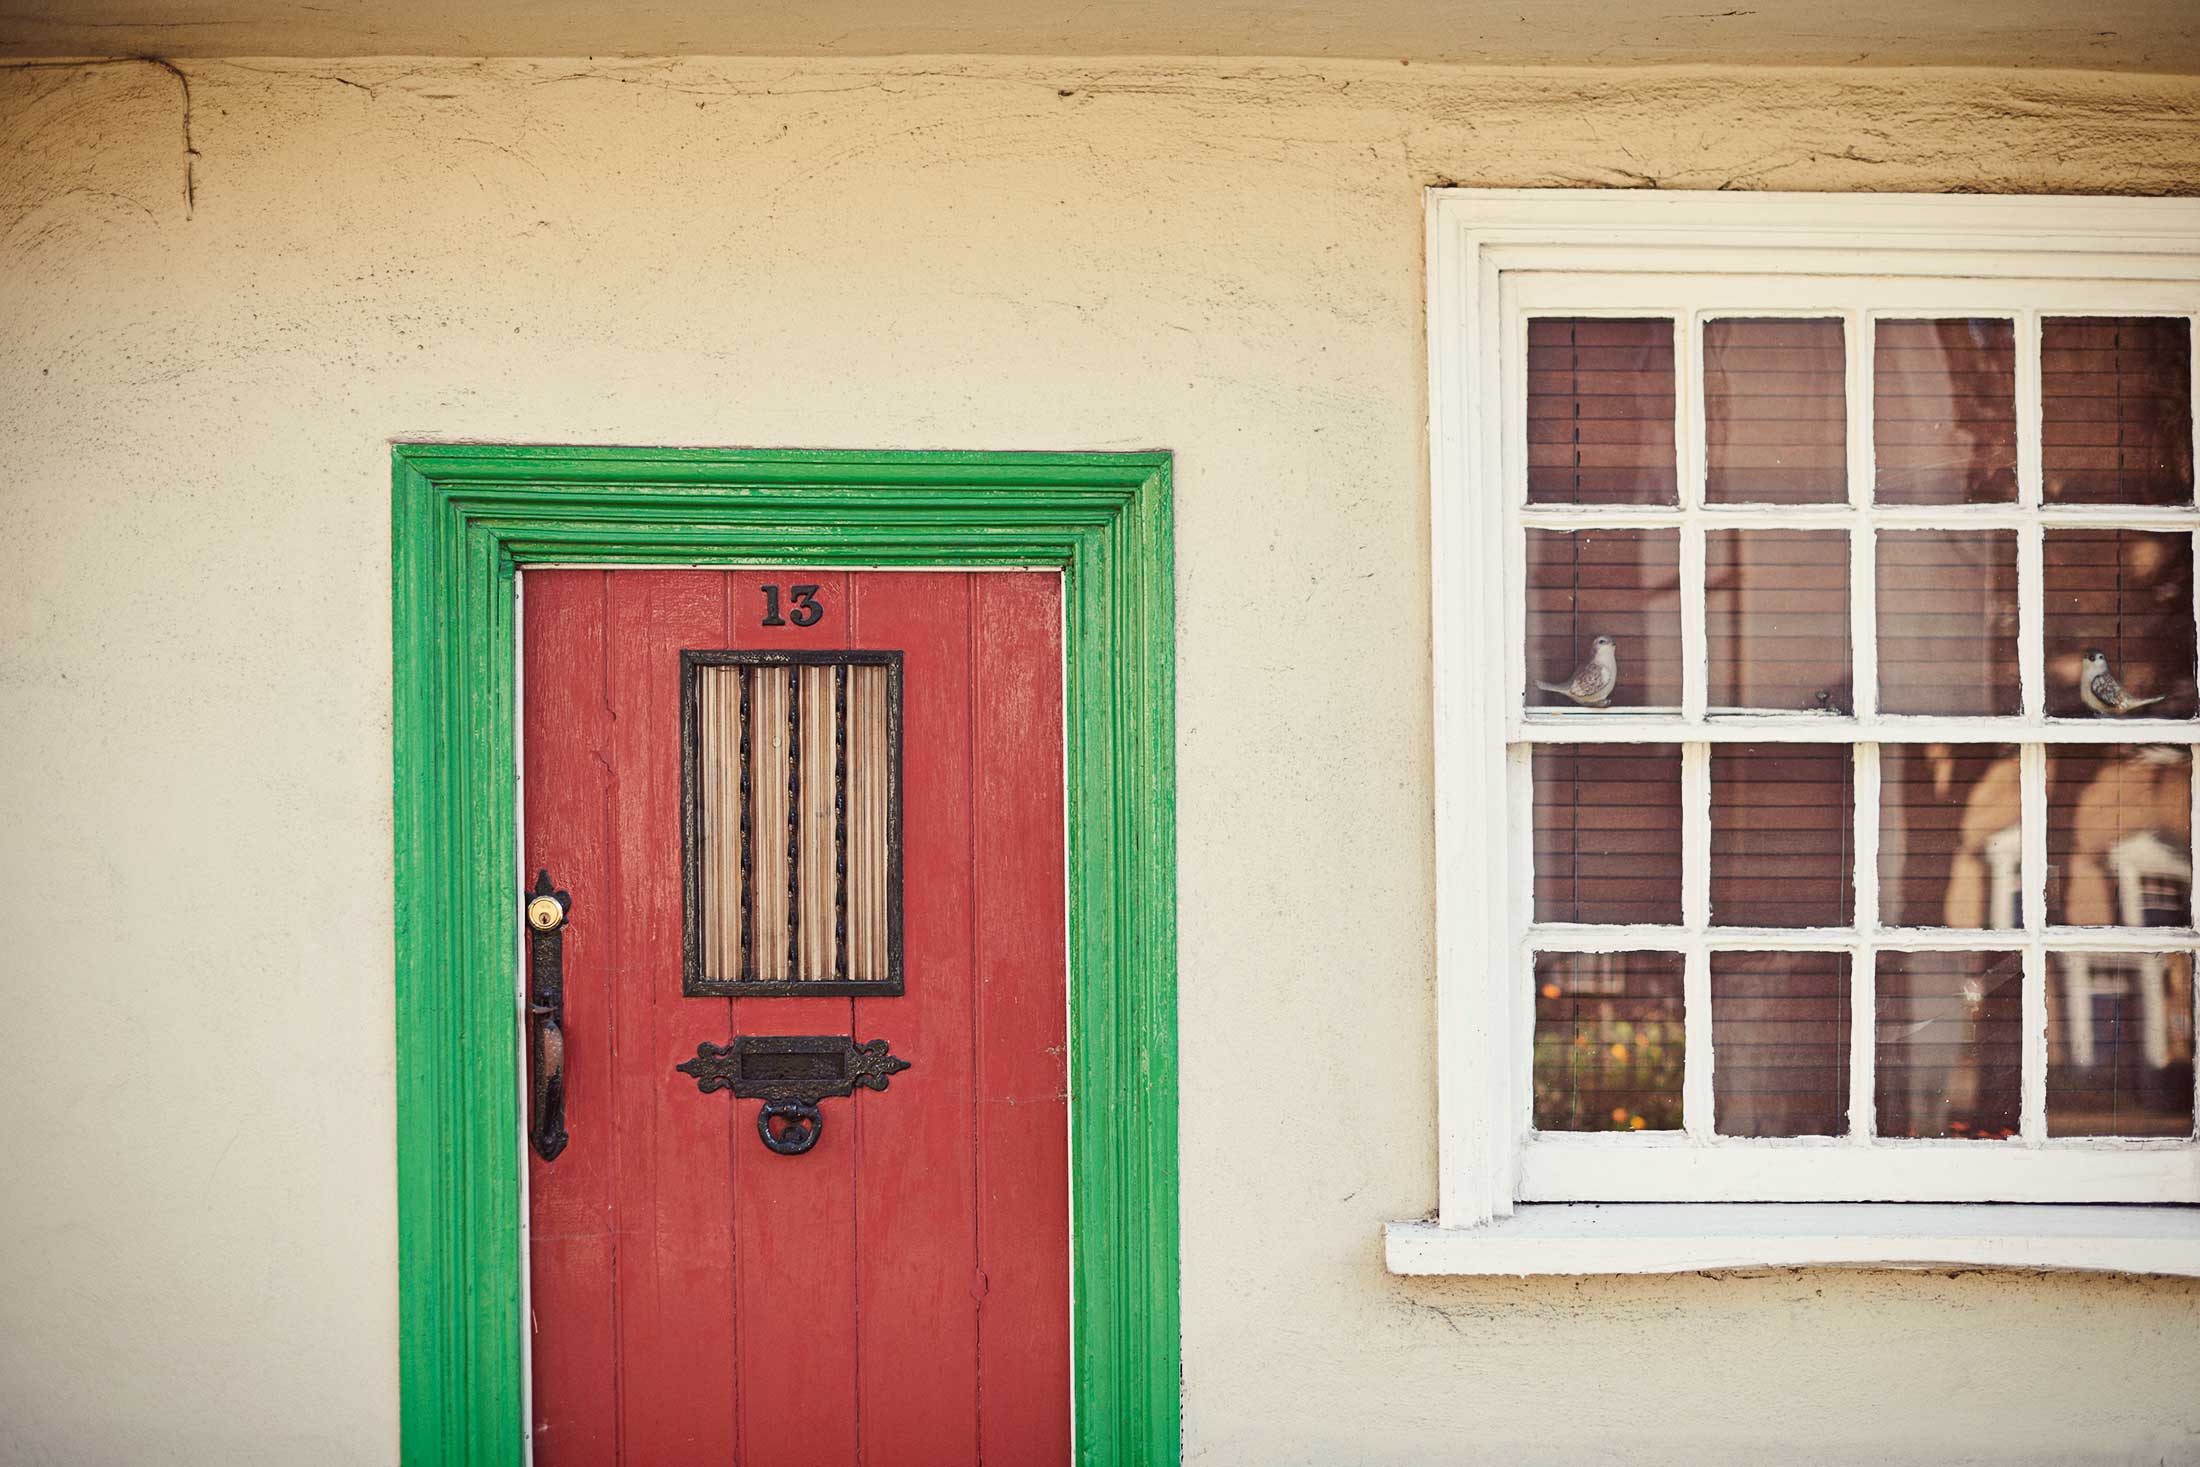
(1666, 1237)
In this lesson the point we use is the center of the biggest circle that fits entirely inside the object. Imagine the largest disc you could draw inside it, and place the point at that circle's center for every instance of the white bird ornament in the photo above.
(2103, 693)
(1592, 683)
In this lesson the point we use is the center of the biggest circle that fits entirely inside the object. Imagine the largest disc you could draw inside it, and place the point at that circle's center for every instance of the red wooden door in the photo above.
(900, 1293)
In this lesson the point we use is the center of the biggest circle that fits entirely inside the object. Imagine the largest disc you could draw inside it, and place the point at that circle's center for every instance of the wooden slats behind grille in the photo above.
(803, 898)
(868, 837)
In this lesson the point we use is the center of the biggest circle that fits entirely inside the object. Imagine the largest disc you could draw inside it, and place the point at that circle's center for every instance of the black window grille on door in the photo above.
(791, 822)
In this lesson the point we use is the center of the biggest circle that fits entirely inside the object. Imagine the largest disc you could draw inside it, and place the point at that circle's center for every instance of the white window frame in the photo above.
(1495, 255)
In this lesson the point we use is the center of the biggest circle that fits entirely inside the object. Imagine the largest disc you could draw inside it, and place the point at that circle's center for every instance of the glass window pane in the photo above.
(1949, 843)
(1608, 833)
(2119, 835)
(1776, 612)
(1950, 1041)
(1944, 411)
(1775, 401)
(1619, 584)
(1780, 1043)
(1600, 412)
(1782, 833)
(1610, 1043)
(2116, 409)
(1948, 622)
(2119, 1044)
(2126, 594)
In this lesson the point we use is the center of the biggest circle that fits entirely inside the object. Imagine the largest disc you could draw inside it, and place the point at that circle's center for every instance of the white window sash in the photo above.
(1500, 256)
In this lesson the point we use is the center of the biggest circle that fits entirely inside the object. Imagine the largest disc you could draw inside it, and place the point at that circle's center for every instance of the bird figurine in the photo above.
(2102, 693)
(1592, 683)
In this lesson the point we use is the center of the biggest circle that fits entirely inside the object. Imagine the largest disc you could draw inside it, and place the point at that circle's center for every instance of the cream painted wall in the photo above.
(197, 1231)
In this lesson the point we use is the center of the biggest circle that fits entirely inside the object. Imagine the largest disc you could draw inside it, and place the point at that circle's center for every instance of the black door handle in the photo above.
(546, 912)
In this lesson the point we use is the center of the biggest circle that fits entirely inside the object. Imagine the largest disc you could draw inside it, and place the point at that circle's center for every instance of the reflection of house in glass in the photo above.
(2120, 1024)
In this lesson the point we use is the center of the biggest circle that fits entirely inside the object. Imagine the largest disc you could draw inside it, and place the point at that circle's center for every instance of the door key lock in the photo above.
(546, 913)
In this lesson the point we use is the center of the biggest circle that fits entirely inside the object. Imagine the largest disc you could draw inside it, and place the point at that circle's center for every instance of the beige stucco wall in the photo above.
(197, 1221)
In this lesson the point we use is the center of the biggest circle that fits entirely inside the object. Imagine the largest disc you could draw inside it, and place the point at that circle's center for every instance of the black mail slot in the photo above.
(791, 1073)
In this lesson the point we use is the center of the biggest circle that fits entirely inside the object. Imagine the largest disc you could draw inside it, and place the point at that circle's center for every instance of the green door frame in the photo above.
(464, 519)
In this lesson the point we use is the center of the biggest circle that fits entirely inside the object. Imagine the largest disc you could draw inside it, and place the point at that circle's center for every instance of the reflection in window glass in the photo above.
(1782, 833)
(1623, 584)
(2127, 594)
(1776, 608)
(1949, 842)
(2116, 409)
(1600, 412)
(1609, 1041)
(2119, 835)
(1944, 411)
(1948, 622)
(1608, 833)
(2119, 1044)
(1950, 1041)
(1780, 1043)
(1775, 412)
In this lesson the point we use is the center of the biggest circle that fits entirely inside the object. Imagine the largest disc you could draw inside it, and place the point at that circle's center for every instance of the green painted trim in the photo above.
(462, 519)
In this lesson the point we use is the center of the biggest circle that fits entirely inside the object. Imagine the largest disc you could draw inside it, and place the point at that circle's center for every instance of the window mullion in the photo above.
(2031, 539)
(2032, 883)
(1862, 995)
(2032, 758)
(1696, 1091)
(2029, 430)
(1695, 641)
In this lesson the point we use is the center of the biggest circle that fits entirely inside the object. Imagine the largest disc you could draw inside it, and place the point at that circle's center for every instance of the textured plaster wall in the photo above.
(197, 1223)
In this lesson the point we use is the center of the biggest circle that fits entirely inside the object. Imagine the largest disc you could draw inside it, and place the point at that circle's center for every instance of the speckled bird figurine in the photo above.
(1592, 683)
(2102, 693)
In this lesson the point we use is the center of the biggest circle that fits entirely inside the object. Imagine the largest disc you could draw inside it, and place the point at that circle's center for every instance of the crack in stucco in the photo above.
(190, 152)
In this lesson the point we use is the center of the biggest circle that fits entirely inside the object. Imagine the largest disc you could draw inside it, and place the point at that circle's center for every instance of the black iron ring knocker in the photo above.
(803, 1124)
(547, 910)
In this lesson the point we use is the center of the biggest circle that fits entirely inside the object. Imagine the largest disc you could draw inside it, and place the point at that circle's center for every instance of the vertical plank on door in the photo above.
(673, 1191)
(794, 1227)
(568, 793)
(916, 1202)
(1022, 1042)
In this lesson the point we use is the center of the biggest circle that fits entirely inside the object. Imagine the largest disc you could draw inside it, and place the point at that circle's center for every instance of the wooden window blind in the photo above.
(792, 774)
(1944, 411)
(2128, 593)
(1776, 620)
(1948, 622)
(1600, 411)
(1780, 1027)
(2116, 409)
(1618, 583)
(1608, 833)
(1782, 835)
(1775, 404)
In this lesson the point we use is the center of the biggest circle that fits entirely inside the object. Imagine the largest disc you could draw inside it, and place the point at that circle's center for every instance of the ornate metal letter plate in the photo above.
(791, 1073)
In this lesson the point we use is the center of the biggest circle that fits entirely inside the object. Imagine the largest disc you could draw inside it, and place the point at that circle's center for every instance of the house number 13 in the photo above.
(804, 613)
